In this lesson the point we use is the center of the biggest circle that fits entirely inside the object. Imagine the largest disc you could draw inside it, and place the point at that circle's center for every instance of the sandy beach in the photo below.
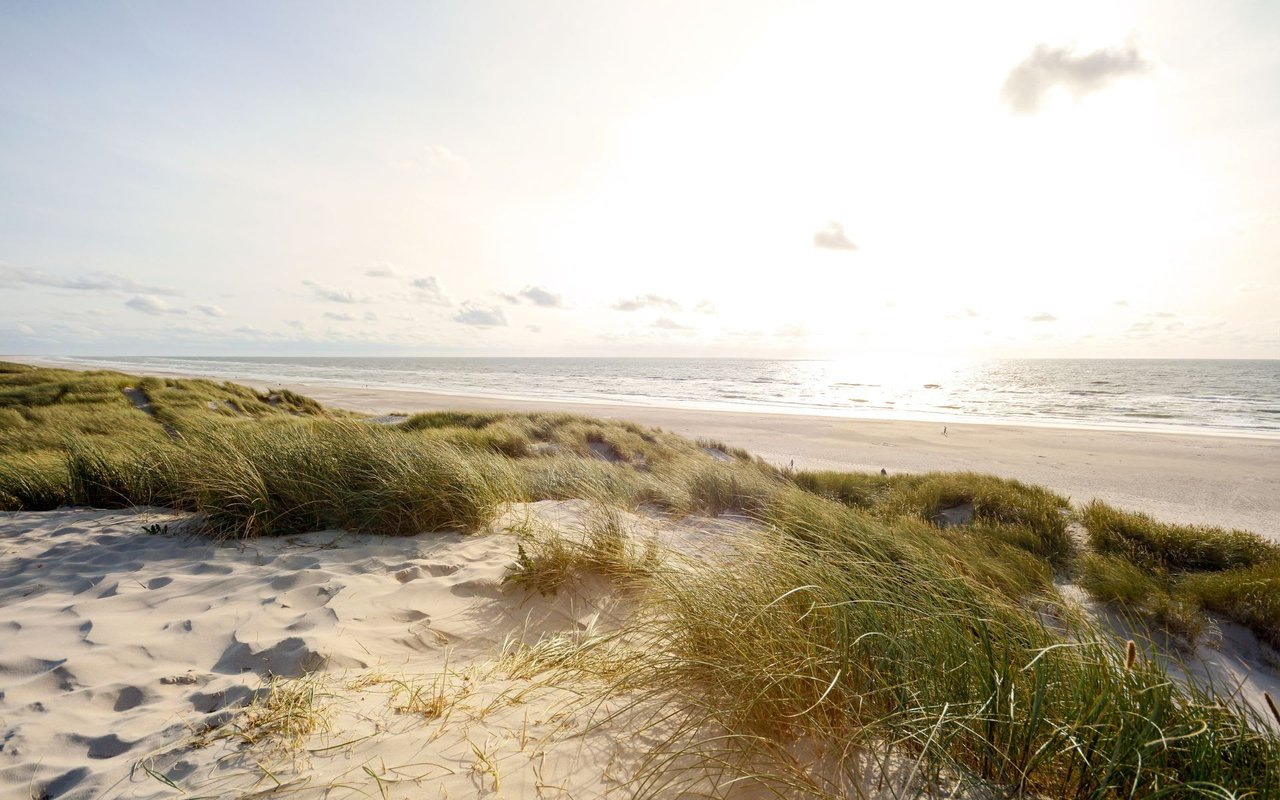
(1227, 481)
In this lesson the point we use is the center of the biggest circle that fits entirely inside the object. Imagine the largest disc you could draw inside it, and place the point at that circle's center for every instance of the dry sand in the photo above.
(1186, 478)
(125, 655)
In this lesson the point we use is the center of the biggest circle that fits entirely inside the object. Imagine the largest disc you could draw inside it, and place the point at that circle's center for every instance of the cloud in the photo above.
(1124, 303)
(1164, 315)
(480, 316)
(340, 316)
(211, 311)
(150, 304)
(1080, 73)
(533, 328)
(384, 270)
(833, 237)
(1043, 316)
(792, 331)
(705, 307)
(93, 282)
(429, 291)
(334, 295)
(436, 158)
(668, 324)
(645, 301)
(541, 297)
(441, 156)
(510, 298)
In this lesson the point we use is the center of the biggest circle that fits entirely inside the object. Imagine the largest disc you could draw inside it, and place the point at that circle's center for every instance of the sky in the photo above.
(799, 180)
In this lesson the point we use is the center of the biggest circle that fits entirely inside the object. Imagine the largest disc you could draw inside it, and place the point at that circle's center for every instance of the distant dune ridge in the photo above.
(228, 591)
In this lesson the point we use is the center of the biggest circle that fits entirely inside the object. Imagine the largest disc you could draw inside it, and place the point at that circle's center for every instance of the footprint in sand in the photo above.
(108, 746)
(130, 697)
(64, 783)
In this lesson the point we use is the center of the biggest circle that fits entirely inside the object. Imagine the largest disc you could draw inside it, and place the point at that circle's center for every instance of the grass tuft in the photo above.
(1157, 545)
(1028, 517)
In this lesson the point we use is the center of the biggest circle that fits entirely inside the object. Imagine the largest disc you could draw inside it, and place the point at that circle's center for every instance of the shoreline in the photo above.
(1189, 478)
(852, 413)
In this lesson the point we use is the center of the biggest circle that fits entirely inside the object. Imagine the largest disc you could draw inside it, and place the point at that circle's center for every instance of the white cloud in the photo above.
(480, 316)
(384, 270)
(150, 304)
(441, 156)
(429, 291)
(541, 297)
(645, 301)
(368, 316)
(93, 282)
(211, 311)
(668, 324)
(1043, 316)
(792, 331)
(438, 159)
(832, 237)
(705, 307)
(1080, 73)
(334, 295)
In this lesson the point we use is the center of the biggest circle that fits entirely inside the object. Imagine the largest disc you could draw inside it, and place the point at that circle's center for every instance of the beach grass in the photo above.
(1030, 517)
(1184, 548)
(1173, 573)
(855, 619)
(1249, 596)
(856, 636)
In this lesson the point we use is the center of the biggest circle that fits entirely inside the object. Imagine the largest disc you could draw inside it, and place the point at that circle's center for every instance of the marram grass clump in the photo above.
(1024, 516)
(1179, 548)
(1172, 574)
(297, 477)
(853, 636)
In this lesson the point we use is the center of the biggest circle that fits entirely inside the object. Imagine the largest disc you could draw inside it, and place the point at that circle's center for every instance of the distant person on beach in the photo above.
(944, 430)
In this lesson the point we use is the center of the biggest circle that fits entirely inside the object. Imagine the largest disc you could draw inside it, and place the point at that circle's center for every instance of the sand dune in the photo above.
(124, 655)
(138, 658)
(1227, 481)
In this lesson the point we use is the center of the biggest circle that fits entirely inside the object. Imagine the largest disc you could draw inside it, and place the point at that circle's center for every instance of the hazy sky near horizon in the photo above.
(825, 179)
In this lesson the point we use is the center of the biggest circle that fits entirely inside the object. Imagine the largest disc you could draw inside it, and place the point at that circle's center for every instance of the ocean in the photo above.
(1211, 396)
